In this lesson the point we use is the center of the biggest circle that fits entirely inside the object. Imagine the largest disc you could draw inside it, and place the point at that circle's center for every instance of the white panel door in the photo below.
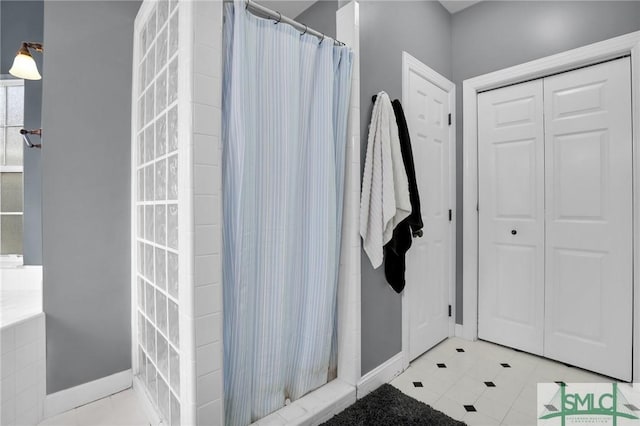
(589, 244)
(511, 216)
(428, 261)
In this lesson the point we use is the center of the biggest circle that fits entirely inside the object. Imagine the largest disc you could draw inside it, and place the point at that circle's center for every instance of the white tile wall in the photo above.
(207, 113)
(22, 372)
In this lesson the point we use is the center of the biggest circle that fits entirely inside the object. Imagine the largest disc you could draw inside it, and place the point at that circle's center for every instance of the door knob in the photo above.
(514, 232)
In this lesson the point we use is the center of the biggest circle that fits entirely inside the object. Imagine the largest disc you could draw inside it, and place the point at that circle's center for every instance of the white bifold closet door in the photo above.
(588, 193)
(555, 243)
(511, 221)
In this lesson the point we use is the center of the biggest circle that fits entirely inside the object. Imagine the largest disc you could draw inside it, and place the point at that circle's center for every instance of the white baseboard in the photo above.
(68, 399)
(382, 374)
(147, 405)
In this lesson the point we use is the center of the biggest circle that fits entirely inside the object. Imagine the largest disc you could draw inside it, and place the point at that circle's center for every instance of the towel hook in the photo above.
(279, 18)
(305, 30)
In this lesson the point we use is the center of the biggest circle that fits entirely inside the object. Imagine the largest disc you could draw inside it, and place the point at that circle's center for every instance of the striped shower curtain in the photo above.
(285, 106)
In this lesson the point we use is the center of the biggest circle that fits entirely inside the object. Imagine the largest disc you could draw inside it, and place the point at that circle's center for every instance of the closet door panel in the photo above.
(511, 216)
(588, 166)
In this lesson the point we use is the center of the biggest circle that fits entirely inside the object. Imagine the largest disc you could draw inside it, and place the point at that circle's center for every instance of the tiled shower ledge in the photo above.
(315, 407)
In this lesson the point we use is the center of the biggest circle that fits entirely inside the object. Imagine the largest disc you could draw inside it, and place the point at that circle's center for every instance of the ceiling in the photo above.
(293, 8)
(454, 6)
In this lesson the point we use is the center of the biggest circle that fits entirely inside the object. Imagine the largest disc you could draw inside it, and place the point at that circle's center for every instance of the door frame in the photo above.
(628, 44)
(411, 63)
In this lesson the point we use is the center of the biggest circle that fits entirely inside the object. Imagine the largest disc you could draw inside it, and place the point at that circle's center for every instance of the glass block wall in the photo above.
(157, 210)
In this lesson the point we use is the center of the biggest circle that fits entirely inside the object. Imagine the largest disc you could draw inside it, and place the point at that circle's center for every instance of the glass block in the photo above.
(173, 34)
(161, 180)
(175, 411)
(11, 231)
(161, 49)
(140, 185)
(172, 226)
(161, 92)
(151, 341)
(152, 381)
(161, 312)
(148, 223)
(163, 354)
(149, 144)
(149, 103)
(143, 41)
(174, 329)
(148, 183)
(150, 302)
(142, 330)
(140, 222)
(151, 65)
(151, 28)
(172, 5)
(141, 113)
(140, 293)
(161, 224)
(148, 262)
(163, 397)
(161, 136)
(141, 259)
(172, 178)
(140, 149)
(174, 370)
(172, 274)
(172, 129)
(3, 105)
(142, 71)
(142, 366)
(15, 105)
(172, 90)
(163, 12)
(13, 148)
(161, 269)
(10, 192)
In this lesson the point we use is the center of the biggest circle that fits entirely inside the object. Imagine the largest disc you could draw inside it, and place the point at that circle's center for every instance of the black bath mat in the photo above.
(387, 406)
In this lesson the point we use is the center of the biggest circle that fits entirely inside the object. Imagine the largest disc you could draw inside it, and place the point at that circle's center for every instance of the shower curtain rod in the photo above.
(279, 17)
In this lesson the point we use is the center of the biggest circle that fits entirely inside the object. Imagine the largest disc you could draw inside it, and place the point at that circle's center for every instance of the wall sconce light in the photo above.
(24, 66)
(25, 135)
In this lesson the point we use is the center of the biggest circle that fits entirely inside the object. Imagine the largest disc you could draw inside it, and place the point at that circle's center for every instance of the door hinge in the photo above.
(449, 310)
(449, 119)
(450, 215)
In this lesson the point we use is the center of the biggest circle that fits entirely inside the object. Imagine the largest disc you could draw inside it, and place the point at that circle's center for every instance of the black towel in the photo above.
(411, 226)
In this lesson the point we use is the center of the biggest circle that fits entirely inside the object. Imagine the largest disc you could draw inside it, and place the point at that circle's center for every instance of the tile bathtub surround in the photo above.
(22, 372)
(485, 384)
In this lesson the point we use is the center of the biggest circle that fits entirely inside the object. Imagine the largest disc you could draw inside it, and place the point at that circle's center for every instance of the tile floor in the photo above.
(120, 409)
(484, 384)
(477, 382)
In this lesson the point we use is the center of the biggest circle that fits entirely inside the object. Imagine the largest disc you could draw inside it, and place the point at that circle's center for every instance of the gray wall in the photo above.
(321, 16)
(86, 189)
(386, 29)
(497, 34)
(23, 21)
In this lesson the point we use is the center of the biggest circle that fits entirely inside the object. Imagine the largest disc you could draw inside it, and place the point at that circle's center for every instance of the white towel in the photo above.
(385, 189)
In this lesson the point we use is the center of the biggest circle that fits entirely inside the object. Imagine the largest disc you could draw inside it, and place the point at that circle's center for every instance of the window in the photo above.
(11, 199)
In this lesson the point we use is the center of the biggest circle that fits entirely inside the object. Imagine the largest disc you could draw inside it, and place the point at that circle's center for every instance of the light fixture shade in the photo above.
(24, 66)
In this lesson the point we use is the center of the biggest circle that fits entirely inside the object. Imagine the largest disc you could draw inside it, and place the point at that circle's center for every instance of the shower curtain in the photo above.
(285, 106)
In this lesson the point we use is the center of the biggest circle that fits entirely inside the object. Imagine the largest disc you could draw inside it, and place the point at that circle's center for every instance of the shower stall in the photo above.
(176, 240)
